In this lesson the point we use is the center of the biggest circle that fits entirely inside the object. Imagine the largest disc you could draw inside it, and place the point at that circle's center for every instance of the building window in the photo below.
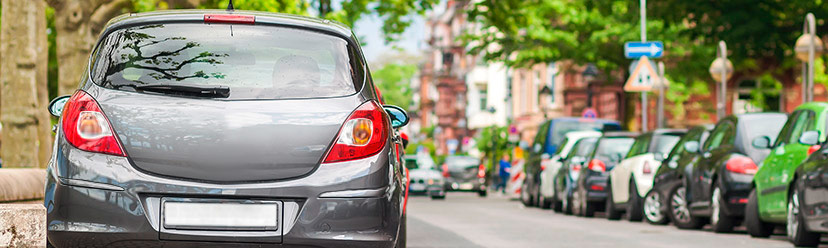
(484, 99)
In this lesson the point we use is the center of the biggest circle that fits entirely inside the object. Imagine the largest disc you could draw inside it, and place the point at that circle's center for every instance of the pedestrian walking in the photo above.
(504, 169)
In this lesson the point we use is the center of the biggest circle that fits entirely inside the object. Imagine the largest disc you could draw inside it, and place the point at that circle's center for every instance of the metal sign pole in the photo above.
(811, 52)
(722, 108)
(643, 10)
(661, 90)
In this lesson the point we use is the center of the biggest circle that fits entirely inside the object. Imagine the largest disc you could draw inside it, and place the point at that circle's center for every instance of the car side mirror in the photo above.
(692, 146)
(398, 116)
(809, 138)
(57, 104)
(761, 142)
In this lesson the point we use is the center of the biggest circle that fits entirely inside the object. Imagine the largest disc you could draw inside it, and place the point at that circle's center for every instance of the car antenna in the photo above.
(230, 6)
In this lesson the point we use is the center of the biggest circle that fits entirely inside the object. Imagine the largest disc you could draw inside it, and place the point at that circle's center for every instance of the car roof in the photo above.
(617, 134)
(580, 119)
(813, 106)
(751, 117)
(196, 15)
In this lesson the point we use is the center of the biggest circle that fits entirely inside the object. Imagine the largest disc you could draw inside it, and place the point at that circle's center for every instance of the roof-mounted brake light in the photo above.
(229, 18)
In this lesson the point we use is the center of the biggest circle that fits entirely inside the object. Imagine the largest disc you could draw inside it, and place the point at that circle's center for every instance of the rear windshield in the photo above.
(561, 128)
(664, 143)
(253, 61)
(613, 149)
(461, 162)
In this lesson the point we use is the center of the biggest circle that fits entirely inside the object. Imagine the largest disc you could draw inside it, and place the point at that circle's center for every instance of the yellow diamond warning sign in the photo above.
(642, 78)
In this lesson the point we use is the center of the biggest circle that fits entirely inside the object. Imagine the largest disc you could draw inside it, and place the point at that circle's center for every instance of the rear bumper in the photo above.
(97, 213)
(736, 188)
(596, 187)
(474, 184)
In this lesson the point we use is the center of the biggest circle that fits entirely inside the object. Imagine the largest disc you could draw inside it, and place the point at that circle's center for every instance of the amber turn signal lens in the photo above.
(362, 132)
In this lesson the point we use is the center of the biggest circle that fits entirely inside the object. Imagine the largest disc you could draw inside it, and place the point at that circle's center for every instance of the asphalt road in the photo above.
(466, 220)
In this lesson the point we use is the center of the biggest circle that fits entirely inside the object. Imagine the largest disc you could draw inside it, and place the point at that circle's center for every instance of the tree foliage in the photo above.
(392, 80)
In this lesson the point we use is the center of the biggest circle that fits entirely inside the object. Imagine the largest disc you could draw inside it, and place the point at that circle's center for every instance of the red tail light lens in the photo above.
(445, 170)
(812, 149)
(576, 168)
(362, 135)
(596, 187)
(741, 165)
(229, 18)
(646, 169)
(481, 171)
(87, 128)
(597, 165)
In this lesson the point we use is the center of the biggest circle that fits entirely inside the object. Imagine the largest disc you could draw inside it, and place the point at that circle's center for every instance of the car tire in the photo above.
(755, 226)
(566, 205)
(719, 221)
(652, 209)
(438, 197)
(403, 234)
(576, 203)
(634, 209)
(482, 193)
(544, 202)
(612, 212)
(798, 234)
(557, 205)
(589, 208)
(525, 196)
(678, 211)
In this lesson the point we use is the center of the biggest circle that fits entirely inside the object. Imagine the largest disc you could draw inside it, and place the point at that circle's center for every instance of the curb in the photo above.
(22, 225)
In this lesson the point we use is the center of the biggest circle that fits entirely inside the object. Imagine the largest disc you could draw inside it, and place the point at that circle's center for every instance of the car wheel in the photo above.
(438, 196)
(482, 193)
(589, 208)
(634, 204)
(576, 203)
(525, 196)
(402, 236)
(679, 212)
(612, 212)
(652, 209)
(557, 205)
(720, 222)
(755, 226)
(797, 232)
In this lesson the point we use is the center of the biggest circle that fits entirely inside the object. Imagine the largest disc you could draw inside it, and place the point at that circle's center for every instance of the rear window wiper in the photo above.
(188, 90)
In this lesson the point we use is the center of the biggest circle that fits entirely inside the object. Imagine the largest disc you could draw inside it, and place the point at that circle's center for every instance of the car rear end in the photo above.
(608, 152)
(660, 146)
(464, 173)
(738, 168)
(209, 126)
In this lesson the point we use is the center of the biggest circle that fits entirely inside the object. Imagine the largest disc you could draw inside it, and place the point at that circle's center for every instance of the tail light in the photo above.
(481, 171)
(741, 165)
(597, 165)
(646, 168)
(596, 187)
(86, 127)
(363, 134)
(812, 149)
(445, 170)
(576, 168)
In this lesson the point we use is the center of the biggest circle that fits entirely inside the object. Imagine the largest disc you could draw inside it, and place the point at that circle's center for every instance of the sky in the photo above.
(369, 31)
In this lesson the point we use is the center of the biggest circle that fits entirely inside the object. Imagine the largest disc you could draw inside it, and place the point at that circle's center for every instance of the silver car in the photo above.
(199, 128)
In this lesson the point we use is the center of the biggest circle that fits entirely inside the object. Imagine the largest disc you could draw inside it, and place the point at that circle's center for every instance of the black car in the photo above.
(807, 213)
(667, 183)
(717, 187)
(465, 173)
(568, 173)
(590, 190)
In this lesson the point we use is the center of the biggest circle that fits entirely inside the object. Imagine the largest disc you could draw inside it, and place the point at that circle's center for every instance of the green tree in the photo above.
(392, 81)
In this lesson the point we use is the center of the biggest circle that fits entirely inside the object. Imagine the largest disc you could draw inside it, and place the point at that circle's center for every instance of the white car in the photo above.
(632, 179)
(551, 165)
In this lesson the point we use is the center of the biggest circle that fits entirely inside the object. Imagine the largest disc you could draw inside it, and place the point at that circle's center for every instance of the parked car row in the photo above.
(762, 170)
(457, 173)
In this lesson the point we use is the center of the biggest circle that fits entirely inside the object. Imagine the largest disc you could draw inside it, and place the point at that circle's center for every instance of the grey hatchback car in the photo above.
(218, 128)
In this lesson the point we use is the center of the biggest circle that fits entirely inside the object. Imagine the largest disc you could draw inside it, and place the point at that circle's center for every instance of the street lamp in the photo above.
(589, 74)
(721, 70)
(807, 46)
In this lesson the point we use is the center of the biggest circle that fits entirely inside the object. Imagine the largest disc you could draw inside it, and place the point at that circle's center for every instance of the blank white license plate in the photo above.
(417, 187)
(220, 216)
(466, 186)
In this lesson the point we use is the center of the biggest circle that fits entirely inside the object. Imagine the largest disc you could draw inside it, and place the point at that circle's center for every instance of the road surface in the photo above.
(466, 220)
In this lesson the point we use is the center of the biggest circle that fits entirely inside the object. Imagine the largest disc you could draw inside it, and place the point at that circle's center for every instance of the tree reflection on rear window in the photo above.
(254, 61)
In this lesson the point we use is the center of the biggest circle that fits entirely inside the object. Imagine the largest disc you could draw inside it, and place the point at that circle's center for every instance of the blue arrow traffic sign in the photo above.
(635, 49)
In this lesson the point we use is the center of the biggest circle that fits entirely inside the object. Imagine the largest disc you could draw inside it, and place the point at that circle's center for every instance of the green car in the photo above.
(768, 201)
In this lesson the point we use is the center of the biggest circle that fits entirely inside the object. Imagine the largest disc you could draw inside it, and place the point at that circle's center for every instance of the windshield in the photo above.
(253, 61)
(461, 162)
(419, 161)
